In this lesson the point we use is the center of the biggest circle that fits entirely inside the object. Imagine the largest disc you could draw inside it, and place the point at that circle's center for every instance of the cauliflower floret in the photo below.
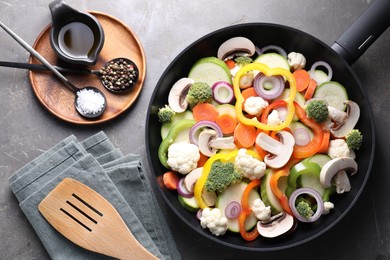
(255, 105)
(338, 148)
(214, 221)
(234, 70)
(273, 118)
(327, 207)
(296, 60)
(261, 211)
(249, 166)
(183, 157)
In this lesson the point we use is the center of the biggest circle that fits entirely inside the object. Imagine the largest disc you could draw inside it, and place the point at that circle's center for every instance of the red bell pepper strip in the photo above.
(247, 210)
(269, 108)
(282, 172)
(315, 144)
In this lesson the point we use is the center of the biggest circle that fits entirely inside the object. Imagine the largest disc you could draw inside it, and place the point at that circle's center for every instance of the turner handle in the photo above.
(130, 248)
(87, 219)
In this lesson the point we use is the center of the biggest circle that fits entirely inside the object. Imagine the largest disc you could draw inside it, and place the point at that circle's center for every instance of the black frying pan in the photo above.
(346, 50)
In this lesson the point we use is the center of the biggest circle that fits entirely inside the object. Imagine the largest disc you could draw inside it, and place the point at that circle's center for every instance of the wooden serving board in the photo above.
(120, 41)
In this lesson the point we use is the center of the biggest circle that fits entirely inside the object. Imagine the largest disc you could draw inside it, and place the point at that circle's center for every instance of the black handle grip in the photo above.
(364, 31)
(41, 67)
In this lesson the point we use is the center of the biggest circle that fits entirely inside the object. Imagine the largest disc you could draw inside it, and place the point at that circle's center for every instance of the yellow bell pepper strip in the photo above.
(168, 140)
(282, 172)
(200, 182)
(268, 72)
(315, 144)
(247, 210)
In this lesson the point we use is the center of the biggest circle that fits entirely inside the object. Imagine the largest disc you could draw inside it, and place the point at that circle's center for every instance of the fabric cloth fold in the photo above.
(119, 178)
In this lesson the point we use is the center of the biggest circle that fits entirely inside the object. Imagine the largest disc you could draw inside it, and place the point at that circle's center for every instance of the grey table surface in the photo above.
(165, 28)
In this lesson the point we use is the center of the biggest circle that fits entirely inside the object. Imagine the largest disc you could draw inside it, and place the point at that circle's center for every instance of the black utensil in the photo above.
(78, 91)
(129, 81)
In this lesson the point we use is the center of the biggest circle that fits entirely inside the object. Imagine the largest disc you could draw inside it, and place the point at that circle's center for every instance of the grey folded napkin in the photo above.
(119, 178)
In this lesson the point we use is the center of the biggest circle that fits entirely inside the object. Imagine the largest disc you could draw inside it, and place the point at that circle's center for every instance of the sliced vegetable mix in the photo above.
(260, 144)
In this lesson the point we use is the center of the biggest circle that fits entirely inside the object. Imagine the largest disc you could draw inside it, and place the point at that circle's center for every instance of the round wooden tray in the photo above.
(120, 41)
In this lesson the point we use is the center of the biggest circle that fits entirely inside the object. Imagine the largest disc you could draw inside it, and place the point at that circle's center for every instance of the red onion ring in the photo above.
(199, 214)
(315, 195)
(277, 86)
(222, 85)
(202, 124)
(324, 64)
(276, 48)
(232, 210)
(182, 190)
(301, 136)
(258, 51)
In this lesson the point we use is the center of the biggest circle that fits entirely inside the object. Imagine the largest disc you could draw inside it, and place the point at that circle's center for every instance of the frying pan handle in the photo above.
(364, 31)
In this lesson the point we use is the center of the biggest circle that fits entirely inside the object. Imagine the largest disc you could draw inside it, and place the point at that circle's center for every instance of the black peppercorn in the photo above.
(119, 75)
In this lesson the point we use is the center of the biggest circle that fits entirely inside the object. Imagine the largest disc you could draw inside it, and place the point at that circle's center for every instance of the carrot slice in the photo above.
(230, 63)
(205, 111)
(227, 123)
(302, 79)
(203, 159)
(310, 89)
(170, 180)
(261, 152)
(249, 92)
(245, 135)
(325, 143)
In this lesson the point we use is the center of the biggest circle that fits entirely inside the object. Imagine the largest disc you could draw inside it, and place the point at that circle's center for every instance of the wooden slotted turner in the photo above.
(87, 219)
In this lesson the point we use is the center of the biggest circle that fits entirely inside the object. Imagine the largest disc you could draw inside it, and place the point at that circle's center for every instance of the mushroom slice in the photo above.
(191, 178)
(272, 218)
(341, 181)
(204, 142)
(239, 46)
(353, 112)
(280, 151)
(223, 143)
(337, 115)
(246, 80)
(331, 168)
(277, 227)
(178, 93)
(209, 197)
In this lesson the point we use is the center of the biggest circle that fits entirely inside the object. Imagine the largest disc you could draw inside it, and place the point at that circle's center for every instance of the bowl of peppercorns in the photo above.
(119, 75)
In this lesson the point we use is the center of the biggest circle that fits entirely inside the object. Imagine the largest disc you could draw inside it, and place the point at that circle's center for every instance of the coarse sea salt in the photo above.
(90, 101)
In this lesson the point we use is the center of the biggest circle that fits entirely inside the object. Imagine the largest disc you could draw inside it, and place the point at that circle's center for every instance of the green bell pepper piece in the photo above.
(302, 168)
(305, 167)
(168, 140)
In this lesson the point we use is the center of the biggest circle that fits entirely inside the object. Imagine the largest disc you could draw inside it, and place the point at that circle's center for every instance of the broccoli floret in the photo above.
(243, 60)
(199, 92)
(304, 209)
(221, 175)
(354, 139)
(317, 110)
(165, 114)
